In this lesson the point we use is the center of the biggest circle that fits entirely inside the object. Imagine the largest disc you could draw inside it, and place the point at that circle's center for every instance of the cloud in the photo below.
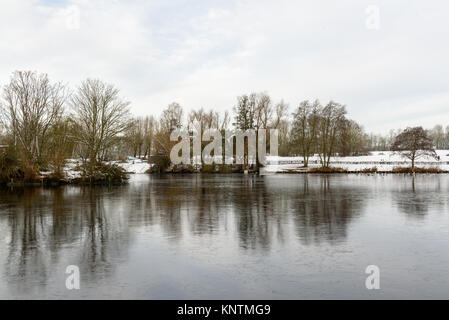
(205, 53)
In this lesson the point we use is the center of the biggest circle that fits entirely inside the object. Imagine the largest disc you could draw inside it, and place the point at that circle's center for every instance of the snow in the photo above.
(131, 166)
(383, 160)
(69, 169)
(135, 166)
(134, 160)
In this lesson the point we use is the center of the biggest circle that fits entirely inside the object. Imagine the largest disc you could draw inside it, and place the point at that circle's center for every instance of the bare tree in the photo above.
(149, 131)
(438, 137)
(331, 120)
(414, 143)
(305, 128)
(61, 144)
(30, 106)
(376, 142)
(225, 121)
(223, 125)
(171, 117)
(204, 120)
(446, 137)
(136, 136)
(280, 121)
(352, 139)
(281, 110)
(263, 110)
(101, 116)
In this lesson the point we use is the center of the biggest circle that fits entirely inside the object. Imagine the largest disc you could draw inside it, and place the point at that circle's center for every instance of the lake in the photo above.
(229, 237)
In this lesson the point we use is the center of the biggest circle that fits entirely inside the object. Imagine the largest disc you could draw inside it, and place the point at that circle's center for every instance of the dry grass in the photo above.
(327, 170)
(369, 170)
(417, 170)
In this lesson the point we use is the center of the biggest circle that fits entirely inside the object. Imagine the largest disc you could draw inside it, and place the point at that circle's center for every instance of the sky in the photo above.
(387, 61)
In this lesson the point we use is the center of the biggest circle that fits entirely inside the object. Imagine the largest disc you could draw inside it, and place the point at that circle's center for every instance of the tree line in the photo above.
(44, 123)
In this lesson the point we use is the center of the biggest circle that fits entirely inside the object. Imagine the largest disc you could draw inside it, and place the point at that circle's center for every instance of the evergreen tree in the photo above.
(244, 111)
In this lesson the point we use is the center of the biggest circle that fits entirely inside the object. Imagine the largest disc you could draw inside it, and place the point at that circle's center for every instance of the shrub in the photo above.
(183, 168)
(9, 166)
(30, 172)
(327, 170)
(160, 164)
(369, 170)
(208, 168)
(103, 173)
(225, 169)
(417, 170)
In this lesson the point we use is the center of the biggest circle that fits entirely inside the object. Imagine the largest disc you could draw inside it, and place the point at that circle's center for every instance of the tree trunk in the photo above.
(92, 161)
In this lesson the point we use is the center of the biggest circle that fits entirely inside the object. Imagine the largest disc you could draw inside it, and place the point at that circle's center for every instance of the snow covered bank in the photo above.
(384, 162)
(135, 167)
(131, 166)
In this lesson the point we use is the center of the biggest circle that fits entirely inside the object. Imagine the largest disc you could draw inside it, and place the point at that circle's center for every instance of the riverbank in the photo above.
(371, 171)
(76, 173)
(386, 162)
(376, 162)
(379, 161)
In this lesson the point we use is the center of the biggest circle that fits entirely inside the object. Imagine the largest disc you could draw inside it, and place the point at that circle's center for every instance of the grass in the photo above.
(417, 170)
(327, 170)
(369, 170)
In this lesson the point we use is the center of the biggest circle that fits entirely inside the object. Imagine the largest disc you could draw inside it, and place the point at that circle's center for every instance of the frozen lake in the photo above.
(229, 237)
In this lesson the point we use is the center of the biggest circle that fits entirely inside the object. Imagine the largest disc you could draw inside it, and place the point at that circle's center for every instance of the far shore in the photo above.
(385, 162)
(327, 171)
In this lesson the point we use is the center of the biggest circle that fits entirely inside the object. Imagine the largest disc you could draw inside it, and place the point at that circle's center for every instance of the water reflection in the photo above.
(415, 196)
(28, 229)
(256, 218)
(44, 223)
(325, 209)
(96, 228)
(95, 222)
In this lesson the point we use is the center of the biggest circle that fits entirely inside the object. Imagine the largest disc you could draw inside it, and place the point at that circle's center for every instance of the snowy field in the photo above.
(384, 161)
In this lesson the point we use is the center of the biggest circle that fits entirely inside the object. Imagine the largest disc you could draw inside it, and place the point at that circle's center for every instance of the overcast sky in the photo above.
(391, 72)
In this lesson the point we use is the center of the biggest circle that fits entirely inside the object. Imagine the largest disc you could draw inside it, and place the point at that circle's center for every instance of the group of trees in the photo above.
(151, 136)
(438, 135)
(43, 123)
(310, 129)
(324, 130)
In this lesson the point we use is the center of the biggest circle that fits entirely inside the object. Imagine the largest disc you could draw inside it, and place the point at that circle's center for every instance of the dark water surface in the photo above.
(231, 236)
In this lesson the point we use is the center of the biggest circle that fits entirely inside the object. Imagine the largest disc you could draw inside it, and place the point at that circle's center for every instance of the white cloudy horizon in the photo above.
(206, 53)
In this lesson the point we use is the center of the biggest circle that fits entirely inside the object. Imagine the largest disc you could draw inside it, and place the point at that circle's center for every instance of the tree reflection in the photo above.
(28, 228)
(324, 209)
(93, 227)
(47, 225)
(203, 207)
(414, 196)
(257, 218)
